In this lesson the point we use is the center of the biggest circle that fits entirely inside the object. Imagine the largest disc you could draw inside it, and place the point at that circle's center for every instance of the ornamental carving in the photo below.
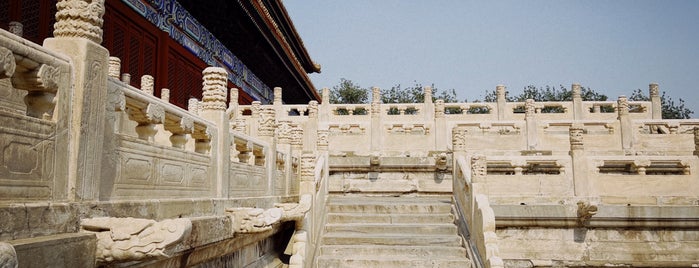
(114, 67)
(284, 132)
(375, 95)
(277, 95)
(623, 105)
(585, 212)
(295, 211)
(529, 107)
(79, 18)
(312, 109)
(267, 122)
(654, 90)
(696, 136)
(130, 239)
(193, 105)
(214, 88)
(500, 91)
(253, 220)
(8, 256)
(439, 108)
(479, 167)
(44, 78)
(308, 164)
(116, 100)
(147, 84)
(576, 90)
(323, 141)
(458, 139)
(155, 113)
(16, 28)
(576, 137)
(375, 109)
(7, 63)
(427, 94)
(296, 136)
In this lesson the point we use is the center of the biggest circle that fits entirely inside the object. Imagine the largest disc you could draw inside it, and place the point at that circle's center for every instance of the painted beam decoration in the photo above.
(171, 17)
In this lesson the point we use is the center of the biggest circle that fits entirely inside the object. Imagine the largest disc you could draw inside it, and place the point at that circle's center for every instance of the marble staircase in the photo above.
(391, 231)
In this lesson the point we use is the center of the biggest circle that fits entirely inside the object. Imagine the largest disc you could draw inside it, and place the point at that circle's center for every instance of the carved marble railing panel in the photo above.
(147, 171)
(529, 176)
(27, 152)
(644, 176)
(349, 137)
(30, 79)
(665, 137)
(510, 135)
(554, 135)
(247, 180)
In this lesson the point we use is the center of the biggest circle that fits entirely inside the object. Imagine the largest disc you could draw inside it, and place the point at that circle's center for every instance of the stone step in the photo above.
(354, 198)
(388, 262)
(333, 218)
(422, 252)
(370, 206)
(349, 238)
(396, 228)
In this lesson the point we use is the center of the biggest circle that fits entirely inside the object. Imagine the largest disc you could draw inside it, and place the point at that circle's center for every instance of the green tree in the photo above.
(670, 110)
(415, 94)
(347, 92)
(548, 93)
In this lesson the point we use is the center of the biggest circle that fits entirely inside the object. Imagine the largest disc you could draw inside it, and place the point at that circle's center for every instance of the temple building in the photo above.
(255, 42)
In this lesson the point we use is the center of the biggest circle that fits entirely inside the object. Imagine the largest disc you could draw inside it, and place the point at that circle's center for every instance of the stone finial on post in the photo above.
(193, 105)
(114, 67)
(529, 108)
(165, 94)
(126, 78)
(277, 96)
(325, 95)
(696, 141)
(313, 109)
(375, 95)
(268, 122)
(458, 139)
(428, 94)
(214, 88)
(622, 106)
(16, 28)
(79, 18)
(148, 84)
(500, 92)
(576, 91)
(624, 122)
(308, 164)
(439, 108)
(233, 103)
(656, 102)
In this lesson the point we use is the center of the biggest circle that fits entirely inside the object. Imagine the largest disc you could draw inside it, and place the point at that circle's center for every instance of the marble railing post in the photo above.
(576, 89)
(81, 112)
(530, 118)
(310, 131)
(440, 126)
(213, 108)
(577, 154)
(500, 92)
(624, 123)
(656, 102)
(376, 116)
(324, 107)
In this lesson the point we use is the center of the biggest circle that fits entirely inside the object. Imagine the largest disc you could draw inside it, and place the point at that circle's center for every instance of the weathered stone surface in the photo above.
(62, 250)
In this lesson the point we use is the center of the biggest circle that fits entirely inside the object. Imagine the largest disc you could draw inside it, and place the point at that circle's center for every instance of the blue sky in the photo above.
(613, 47)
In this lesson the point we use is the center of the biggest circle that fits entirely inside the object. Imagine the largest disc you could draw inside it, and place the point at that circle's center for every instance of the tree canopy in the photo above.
(671, 110)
